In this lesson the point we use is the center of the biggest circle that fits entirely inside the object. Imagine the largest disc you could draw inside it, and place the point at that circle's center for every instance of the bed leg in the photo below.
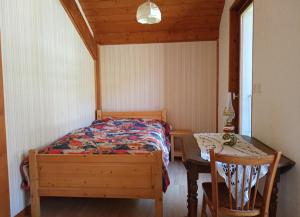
(159, 206)
(35, 206)
(158, 186)
(34, 184)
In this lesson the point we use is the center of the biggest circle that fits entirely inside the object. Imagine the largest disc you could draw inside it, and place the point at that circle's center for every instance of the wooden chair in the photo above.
(218, 197)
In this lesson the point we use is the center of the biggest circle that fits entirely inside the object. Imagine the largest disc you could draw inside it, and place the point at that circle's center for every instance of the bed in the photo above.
(131, 173)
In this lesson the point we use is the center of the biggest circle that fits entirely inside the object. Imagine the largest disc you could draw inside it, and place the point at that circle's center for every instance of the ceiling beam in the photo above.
(156, 37)
(77, 19)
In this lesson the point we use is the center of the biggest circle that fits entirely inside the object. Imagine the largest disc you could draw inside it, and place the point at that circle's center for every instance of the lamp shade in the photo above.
(229, 110)
(148, 13)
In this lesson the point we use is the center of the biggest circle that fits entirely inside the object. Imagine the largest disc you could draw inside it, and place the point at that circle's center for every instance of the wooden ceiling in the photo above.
(114, 21)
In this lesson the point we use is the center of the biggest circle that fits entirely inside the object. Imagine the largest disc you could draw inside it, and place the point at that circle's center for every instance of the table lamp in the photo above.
(229, 111)
(228, 129)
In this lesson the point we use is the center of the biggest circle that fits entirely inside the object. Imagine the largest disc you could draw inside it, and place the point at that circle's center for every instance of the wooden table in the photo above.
(194, 165)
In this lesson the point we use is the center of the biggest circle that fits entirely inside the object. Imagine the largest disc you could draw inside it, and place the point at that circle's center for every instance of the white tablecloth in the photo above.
(207, 141)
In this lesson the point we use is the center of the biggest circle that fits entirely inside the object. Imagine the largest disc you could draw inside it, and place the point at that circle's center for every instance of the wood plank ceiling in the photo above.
(114, 21)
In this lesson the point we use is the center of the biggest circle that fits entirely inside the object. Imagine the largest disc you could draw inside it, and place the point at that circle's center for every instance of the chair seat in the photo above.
(224, 195)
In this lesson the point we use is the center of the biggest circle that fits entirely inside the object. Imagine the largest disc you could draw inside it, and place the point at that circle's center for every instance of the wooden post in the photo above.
(164, 115)
(158, 186)
(98, 114)
(34, 184)
(97, 81)
(4, 182)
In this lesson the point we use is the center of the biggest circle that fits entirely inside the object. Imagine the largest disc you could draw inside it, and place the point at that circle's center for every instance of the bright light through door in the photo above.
(246, 71)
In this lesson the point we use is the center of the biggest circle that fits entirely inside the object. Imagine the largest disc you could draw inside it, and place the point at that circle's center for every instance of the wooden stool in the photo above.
(180, 134)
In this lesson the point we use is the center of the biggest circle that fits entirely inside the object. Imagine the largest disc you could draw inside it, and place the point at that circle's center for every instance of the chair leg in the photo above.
(203, 212)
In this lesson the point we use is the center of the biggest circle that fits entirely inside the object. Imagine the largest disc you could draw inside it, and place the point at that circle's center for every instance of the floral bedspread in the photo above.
(117, 136)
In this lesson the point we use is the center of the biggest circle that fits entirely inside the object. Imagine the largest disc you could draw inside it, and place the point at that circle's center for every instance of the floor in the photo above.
(174, 201)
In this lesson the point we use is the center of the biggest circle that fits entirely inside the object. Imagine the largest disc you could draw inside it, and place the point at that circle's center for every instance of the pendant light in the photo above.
(148, 13)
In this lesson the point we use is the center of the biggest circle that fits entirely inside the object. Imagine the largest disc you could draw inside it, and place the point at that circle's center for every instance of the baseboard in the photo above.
(25, 212)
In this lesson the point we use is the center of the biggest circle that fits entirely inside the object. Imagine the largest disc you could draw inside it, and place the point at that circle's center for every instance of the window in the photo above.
(240, 63)
(246, 43)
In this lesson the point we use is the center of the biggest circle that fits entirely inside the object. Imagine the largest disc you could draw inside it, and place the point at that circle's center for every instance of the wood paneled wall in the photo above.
(180, 77)
(49, 82)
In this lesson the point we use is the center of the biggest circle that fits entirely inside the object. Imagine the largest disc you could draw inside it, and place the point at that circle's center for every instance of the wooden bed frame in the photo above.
(158, 115)
(111, 176)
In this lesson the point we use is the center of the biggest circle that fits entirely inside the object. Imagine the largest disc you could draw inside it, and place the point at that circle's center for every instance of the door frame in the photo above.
(4, 181)
(236, 10)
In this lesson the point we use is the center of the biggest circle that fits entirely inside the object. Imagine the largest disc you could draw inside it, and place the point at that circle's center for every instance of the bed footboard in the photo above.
(112, 176)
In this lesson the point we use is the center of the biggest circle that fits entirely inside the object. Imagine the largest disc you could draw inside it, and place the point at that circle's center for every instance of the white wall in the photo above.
(276, 104)
(276, 107)
(48, 80)
(180, 77)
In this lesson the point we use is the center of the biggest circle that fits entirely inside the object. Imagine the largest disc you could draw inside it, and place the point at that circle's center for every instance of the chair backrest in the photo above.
(253, 165)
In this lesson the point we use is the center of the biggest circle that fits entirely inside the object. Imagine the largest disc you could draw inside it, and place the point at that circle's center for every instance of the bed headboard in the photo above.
(158, 115)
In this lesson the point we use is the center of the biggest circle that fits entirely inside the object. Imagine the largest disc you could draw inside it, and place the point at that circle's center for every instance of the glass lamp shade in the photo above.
(148, 13)
(229, 111)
